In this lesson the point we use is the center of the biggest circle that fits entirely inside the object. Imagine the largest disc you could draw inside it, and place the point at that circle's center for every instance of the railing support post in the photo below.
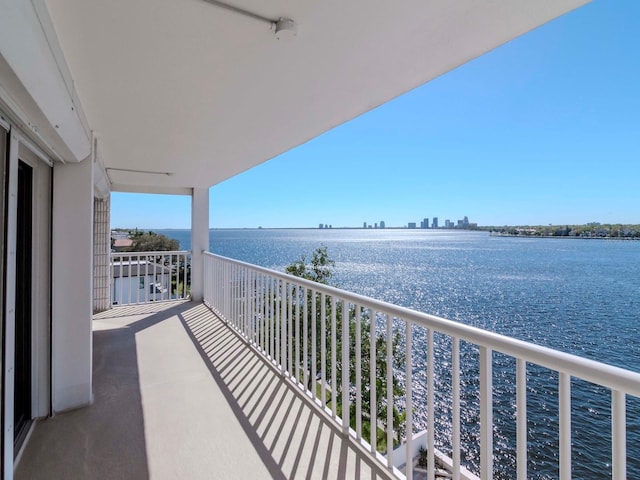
(564, 394)
(619, 434)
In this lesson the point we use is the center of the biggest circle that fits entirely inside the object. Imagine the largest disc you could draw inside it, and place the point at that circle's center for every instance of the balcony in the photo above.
(179, 394)
(231, 100)
(251, 384)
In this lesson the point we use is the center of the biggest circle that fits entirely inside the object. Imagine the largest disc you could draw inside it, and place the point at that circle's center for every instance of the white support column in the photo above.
(199, 240)
(72, 253)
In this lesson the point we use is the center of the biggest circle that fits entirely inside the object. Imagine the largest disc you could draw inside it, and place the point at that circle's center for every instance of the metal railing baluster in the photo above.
(373, 405)
(305, 349)
(358, 373)
(334, 360)
(323, 349)
(290, 328)
(409, 402)
(345, 367)
(521, 418)
(564, 400)
(455, 402)
(486, 414)
(296, 295)
(389, 341)
(619, 435)
(314, 353)
(431, 414)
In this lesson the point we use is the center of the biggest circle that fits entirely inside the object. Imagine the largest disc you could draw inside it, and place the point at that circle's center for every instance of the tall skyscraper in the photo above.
(381, 223)
(434, 224)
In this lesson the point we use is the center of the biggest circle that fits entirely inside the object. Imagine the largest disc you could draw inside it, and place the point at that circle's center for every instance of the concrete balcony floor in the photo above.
(177, 394)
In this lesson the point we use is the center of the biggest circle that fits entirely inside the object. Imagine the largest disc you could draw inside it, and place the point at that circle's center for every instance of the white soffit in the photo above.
(194, 94)
(43, 92)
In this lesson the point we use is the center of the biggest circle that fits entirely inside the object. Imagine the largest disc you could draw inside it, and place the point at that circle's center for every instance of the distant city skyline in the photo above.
(543, 130)
(633, 227)
(424, 224)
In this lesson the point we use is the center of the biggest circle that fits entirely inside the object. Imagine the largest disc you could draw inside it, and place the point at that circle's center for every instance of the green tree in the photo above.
(320, 270)
(153, 242)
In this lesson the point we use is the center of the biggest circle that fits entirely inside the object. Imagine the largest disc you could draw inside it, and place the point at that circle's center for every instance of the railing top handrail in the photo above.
(160, 252)
(600, 373)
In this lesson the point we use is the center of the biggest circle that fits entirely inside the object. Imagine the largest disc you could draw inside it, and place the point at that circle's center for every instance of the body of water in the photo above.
(578, 296)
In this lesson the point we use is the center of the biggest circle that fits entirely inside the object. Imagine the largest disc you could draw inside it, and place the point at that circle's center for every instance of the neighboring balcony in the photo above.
(278, 377)
(143, 277)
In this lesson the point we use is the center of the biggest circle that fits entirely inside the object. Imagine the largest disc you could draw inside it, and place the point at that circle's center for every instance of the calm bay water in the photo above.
(578, 296)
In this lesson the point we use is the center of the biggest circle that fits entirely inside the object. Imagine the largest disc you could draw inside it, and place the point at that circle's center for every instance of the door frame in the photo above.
(10, 302)
(24, 341)
(4, 157)
(19, 148)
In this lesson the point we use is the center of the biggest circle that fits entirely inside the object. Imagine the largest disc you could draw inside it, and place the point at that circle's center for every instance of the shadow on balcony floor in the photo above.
(164, 409)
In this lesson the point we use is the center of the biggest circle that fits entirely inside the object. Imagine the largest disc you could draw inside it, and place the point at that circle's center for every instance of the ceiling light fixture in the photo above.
(285, 28)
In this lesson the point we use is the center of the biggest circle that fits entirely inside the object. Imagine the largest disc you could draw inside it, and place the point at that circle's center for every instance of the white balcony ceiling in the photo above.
(187, 88)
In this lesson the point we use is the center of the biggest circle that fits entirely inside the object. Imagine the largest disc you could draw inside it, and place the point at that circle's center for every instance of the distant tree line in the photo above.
(590, 230)
(149, 241)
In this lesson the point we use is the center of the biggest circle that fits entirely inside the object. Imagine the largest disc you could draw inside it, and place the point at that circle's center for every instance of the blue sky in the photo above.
(543, 130)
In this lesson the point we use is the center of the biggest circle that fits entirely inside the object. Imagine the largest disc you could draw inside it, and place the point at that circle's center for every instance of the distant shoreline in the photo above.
(491, 231)
(316, 228)
(572, 237)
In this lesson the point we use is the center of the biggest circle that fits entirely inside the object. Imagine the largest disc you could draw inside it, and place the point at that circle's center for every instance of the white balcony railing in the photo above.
(142, 277)
(297, 325)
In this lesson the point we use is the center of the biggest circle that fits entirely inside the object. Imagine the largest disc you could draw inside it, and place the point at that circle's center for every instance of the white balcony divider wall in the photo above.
(285, 318)
(72, 285)
(143, 277)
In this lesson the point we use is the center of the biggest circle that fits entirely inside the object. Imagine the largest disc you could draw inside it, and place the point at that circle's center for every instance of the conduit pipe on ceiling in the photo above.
(284, 28)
